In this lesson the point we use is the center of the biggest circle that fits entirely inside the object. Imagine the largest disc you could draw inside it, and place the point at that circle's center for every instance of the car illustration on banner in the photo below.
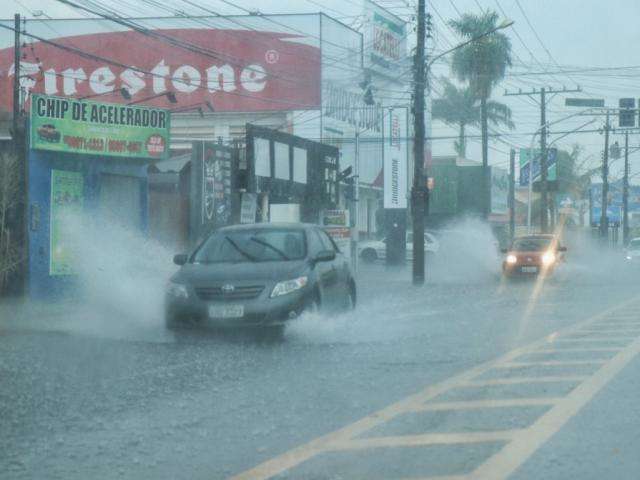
(48, 133)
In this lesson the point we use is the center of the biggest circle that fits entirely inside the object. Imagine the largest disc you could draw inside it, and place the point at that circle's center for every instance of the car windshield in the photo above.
(532, 244)
(252, 246)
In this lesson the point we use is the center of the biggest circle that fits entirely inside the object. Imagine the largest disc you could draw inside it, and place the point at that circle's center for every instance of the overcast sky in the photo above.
(555, 36)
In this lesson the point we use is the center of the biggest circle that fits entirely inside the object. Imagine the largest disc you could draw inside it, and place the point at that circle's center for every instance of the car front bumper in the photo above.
(261, 311)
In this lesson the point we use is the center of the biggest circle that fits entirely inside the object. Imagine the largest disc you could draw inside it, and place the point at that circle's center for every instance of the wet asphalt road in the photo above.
(88, 394)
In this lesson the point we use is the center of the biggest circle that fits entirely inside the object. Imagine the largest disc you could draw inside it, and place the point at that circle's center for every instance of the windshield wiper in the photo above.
(241, 251)
(268, 245)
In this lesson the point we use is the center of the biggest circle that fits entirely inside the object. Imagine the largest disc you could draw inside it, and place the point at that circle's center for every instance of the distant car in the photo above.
(372, 250)
(533, 255)
(632, 251)
(259, 275)
(49, 133)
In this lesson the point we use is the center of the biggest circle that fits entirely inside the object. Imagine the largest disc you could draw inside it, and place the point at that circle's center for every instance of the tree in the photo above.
(482, 64)
(9, 189)
(459, 107)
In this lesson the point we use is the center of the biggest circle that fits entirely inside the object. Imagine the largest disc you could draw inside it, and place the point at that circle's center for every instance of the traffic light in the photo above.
(627, 114)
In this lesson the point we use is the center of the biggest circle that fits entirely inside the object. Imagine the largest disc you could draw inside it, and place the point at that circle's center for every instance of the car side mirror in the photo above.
(562, 249)
(180, 259)
(325, 256)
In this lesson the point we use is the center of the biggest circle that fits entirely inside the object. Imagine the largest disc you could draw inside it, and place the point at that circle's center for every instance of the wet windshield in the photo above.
(531, 244)
(252, 246)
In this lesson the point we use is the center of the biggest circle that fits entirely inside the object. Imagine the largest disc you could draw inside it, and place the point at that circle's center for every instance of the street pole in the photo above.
(604, 222)
(486, 184)
(355, 209)
(419, 191)
(512, 193)
(625, 191)
(15, 134)
(544, 208)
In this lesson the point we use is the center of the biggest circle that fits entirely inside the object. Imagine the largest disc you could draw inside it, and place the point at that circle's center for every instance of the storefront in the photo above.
(86, 160)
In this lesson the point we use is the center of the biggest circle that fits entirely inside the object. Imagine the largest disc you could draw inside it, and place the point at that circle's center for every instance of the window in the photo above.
(327, 242)
(252, 246)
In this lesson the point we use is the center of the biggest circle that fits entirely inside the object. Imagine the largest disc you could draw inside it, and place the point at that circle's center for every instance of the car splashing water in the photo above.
(468, 253)
(121, 278)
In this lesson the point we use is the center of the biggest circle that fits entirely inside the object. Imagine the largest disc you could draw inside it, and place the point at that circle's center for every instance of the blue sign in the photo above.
(526, 154)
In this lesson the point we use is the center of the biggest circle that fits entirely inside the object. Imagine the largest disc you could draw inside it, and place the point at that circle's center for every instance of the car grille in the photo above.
(238, 293)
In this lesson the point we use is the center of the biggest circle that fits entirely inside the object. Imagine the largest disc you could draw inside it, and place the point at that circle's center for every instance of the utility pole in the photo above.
(625, 191)
(544, 201)
(604, 221)
(419, 191)
(512, 193)
(544, 167)
(15, 126)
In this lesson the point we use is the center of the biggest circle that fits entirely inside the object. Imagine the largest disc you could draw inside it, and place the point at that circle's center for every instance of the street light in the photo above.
(122, 91)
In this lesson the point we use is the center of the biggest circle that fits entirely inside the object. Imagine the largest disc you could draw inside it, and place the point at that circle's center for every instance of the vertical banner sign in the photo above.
(499, 190)
(248, 207)
(216, 185)
(79, 126)
(395, 159)
(67, 199)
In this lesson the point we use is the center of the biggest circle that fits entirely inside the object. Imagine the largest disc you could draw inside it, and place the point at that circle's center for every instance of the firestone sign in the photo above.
(244, 71)
(77, 126)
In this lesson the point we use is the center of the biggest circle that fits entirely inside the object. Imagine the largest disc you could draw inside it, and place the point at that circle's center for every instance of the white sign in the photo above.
(395, 158)
(385, 40)
(248, 208)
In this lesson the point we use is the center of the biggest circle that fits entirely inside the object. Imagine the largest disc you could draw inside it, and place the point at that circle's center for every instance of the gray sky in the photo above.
(555, 36)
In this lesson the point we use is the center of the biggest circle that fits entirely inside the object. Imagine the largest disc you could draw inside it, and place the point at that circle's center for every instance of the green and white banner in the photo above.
(80, 126)
(67, 200)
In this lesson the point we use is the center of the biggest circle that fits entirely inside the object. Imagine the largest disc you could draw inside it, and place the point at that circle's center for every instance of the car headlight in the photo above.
(511, 259)
(177, 290)
(288, 286)
(548, 258)
(629, 257)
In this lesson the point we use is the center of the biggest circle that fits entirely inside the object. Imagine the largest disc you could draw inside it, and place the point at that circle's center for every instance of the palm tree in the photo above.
(482, 64)
(459, 107)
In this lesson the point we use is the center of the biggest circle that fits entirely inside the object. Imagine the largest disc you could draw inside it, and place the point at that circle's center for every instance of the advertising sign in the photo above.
(211, 193)
(78, 126)
(614, 202)
(67, 199)
(236, 69)
(248, 207)
(526, 157)
(385, 40)
(395, 159)
(499, 190)
(336, 224)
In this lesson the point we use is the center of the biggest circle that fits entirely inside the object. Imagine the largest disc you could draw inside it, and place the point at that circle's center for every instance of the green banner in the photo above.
(67, 200)
(80, 126)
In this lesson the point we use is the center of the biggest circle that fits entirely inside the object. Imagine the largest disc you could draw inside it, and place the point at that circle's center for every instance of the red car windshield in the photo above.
(531, 244)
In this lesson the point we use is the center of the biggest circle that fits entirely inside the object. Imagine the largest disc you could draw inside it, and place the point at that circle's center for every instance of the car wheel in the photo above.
(369, 255)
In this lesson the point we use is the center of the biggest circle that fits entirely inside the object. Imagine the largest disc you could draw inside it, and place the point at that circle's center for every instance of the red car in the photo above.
(533, 255)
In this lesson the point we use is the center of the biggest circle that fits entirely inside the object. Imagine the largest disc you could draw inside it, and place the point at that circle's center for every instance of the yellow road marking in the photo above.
(331, 441)
(480, 404)
(550, 363)
(515, 453)
(578, 349)
(425, 439)
(520, 380)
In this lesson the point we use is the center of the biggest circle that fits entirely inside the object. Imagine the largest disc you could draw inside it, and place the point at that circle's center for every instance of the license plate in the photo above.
(529, 269)
(226, 311)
